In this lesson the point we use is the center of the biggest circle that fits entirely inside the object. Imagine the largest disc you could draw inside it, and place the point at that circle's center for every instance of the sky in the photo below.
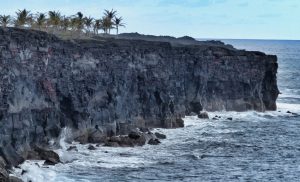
(237, 19)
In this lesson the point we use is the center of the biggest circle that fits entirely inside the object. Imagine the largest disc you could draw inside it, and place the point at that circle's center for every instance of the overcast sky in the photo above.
(246, 19)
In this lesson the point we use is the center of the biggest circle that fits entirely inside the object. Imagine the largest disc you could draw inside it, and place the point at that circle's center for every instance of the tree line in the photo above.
(55, 22)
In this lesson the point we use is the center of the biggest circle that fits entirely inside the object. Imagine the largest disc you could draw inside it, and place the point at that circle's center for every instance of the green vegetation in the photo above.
(56, 23)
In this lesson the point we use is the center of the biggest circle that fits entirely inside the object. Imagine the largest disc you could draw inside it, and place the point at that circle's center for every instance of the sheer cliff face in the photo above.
(115, 85)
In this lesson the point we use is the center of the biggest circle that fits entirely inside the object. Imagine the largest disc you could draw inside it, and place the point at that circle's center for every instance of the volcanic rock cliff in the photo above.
(113, 85)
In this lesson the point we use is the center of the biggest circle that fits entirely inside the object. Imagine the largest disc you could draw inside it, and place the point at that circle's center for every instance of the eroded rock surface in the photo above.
(109, 86)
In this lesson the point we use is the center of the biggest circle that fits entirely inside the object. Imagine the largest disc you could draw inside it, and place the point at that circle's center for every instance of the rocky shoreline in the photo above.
(108, 86)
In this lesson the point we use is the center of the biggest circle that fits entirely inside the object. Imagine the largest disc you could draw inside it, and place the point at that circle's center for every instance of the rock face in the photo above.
(116, 85)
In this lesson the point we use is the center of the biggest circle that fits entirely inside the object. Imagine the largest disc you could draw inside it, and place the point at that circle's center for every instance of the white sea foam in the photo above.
(114, 158)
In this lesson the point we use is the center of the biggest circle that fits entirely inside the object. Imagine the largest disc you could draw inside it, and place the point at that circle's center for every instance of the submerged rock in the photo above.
(153, 142)
(160, 135)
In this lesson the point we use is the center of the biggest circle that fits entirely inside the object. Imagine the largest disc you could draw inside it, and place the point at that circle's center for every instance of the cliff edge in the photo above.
(112, 85)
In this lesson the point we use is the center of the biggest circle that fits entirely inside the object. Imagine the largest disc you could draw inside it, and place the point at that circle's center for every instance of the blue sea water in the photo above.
(252, 147)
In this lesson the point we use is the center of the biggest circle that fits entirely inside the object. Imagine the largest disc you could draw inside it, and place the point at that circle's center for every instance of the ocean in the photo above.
(253, 146)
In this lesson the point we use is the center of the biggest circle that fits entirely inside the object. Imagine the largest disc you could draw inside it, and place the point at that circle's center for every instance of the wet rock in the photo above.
(33, 155)
(91, 147)
(214, 118)
(4, 176)
(134, 135)
(160, 135)
(96, 137)
(10, 155)
(72, 148)
(14, 179)
(203, 115)
(154, 142)
(230, 119)
(111, 144)
(179, 123)
(192, 114)
(50, 157)
(144, 130)
(2, 162)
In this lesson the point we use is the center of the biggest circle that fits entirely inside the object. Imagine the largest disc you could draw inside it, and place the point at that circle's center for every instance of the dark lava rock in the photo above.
(14, 179)
(72, 148)
(4, 176)
(203, 115)
(10, 155)
(114, 85)
(50, 157)
(91, 147)
(111, 144)
(160, 135)
(153, 142)
(134, 135)
(33, 155)
(144, 130)
(2, 162)
(179, 123)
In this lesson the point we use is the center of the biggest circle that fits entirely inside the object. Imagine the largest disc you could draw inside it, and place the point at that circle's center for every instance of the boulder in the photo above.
(111, 144)
(179, 123)
(160, 135)
(230, 119)
(203, 115)
(91, 147)
(134, 135)
(33, 155)
(14, 179)
(50, 157)
(96, 137)
(153, 142)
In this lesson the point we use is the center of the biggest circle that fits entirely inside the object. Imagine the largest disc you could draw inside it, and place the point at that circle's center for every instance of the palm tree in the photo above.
(109, 15)
(40, 21)
(65, 23)
(107, 24)
(88, 22)
(97, 26)
(4, 20)
(118, 23)
(54, 19)
(79, 21)
(23, 17)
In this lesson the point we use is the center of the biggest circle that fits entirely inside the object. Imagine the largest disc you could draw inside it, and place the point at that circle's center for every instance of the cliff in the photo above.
(113, 85)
